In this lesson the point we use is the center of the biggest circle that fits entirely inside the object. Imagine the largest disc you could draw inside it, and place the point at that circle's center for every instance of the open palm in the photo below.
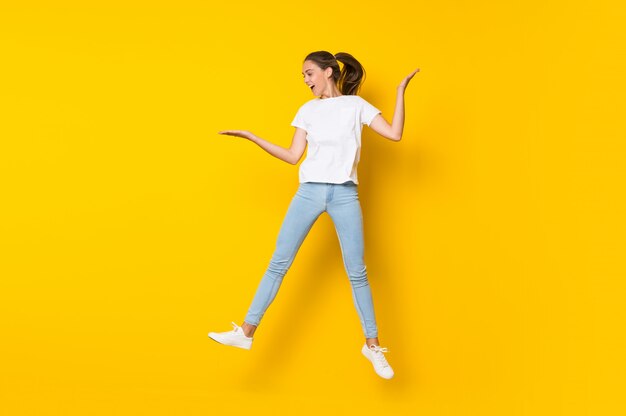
(406, 80)
(238, 133)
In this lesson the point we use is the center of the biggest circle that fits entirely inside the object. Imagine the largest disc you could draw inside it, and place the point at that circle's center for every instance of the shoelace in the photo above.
(236, 328)
(378, 354)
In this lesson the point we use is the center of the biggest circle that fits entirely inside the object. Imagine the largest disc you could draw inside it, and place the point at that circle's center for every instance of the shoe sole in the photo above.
(230, 345)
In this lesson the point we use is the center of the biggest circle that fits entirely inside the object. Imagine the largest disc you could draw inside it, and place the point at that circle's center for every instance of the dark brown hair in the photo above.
(350, 78)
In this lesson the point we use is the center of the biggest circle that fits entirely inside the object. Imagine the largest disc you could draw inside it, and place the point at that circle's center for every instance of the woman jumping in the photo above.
(331, 124)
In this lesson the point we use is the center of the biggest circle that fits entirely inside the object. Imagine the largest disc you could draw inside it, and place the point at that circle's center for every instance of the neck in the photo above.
(330, 96)
(334, 92)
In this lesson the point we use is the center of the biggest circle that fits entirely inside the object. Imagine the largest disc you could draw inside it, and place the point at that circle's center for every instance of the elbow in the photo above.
(395, 135)
(293, 159)
(289, 157)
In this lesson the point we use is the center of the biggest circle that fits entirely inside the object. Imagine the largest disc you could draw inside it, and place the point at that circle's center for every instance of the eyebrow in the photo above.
(309, 69)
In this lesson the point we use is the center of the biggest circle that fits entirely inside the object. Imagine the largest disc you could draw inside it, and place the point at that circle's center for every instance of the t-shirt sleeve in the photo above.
(298, 120)
(368, 112)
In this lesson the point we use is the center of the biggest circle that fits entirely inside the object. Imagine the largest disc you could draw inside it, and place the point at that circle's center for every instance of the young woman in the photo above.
(331, 124)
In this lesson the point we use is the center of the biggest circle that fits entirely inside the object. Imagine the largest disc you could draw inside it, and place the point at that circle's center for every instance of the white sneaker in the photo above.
(235, 338)
(375, 354)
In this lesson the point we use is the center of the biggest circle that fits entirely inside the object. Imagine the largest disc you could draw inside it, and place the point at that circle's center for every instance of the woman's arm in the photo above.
(291, 155)
(393, 131)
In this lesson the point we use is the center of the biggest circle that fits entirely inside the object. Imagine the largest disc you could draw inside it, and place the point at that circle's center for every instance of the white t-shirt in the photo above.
(333, 127)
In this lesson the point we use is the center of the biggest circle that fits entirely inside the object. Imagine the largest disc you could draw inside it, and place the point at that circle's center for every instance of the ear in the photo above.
(328, 72)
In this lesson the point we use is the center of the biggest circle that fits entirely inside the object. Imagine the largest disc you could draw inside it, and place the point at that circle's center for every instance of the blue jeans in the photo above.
(341, 201)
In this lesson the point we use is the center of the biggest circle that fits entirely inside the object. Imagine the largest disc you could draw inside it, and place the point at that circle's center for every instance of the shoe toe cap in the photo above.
(386, 373)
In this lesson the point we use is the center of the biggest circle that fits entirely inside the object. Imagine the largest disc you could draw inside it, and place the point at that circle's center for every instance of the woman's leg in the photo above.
(304, 209)
(345, 210)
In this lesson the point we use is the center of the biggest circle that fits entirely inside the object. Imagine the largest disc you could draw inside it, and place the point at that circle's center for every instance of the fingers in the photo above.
(235, 133)
(410, 77)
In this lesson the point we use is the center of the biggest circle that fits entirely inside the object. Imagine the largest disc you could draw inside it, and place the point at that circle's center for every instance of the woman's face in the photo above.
(315, 78)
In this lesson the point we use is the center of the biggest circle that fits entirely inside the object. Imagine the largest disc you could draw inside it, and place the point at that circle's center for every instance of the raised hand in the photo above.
(406, 80)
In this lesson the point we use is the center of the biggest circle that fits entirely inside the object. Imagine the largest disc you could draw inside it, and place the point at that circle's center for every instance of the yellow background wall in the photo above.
(130, 228)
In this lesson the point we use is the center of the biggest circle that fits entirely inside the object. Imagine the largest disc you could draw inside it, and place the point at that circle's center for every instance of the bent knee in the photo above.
(357, 275)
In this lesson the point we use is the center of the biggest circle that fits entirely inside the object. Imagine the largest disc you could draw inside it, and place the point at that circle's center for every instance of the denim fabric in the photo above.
(341, 201)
